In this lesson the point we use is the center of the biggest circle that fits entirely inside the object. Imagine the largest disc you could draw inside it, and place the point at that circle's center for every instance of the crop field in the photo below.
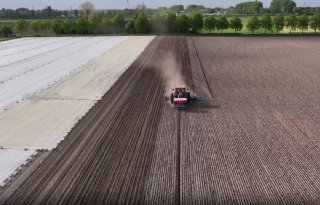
(261, 145)
(30, 64)
(48, 85)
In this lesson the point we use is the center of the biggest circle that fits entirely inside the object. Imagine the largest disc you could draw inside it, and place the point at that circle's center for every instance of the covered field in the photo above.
(32, 64)
(56, 81)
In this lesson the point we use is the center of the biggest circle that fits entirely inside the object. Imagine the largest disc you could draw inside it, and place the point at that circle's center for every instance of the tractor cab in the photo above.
(179, 91)
(180, 96)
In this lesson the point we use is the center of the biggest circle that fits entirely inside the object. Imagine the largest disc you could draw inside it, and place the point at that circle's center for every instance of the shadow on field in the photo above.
(203, 106)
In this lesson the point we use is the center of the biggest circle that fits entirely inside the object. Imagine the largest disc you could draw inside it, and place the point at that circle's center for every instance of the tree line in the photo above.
(279, 22)
(47, 12)
(254, 7)
(276, 6)
(96, 24)
(283, 6)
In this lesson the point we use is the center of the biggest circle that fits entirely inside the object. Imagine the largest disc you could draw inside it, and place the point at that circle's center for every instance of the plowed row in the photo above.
(261, 146)
(106, 158)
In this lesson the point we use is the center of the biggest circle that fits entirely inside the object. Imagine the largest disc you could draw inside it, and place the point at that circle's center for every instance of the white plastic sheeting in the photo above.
(40, 124)
(42, 121)
(11, 160)
(25, 70)
(94, 81)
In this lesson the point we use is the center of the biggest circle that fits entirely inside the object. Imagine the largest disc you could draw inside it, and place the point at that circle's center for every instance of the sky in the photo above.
(121, 4)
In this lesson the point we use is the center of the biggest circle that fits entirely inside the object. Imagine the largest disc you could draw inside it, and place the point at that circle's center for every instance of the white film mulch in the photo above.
(11, 161)
(40, 62)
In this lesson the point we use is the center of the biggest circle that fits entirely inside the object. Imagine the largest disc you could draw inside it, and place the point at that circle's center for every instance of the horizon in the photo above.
(109, 4)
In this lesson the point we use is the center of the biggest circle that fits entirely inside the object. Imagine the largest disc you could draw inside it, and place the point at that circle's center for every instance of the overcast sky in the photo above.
(121, 4)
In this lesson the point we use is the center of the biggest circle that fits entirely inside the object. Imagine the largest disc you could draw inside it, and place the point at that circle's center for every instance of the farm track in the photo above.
(260, 147)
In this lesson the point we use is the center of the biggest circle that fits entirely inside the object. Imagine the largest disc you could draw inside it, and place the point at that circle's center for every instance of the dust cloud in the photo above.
(171, 70)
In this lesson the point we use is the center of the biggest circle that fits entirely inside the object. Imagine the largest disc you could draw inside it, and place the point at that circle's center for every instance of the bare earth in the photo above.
(260, 147)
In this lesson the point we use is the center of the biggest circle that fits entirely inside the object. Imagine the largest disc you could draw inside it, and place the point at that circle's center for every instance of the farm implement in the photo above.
(181, 98)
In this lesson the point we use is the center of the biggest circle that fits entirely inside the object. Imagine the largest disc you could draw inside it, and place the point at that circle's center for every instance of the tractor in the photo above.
(181, 97)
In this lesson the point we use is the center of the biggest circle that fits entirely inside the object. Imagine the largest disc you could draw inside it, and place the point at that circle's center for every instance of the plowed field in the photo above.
(260, 146)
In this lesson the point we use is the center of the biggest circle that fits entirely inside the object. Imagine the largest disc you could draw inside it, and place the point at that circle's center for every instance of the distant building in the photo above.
(311, 10)
(181, 13)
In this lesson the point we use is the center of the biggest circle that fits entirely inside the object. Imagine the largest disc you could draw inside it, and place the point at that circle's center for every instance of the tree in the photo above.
(21, 25)
(141, 24)
(257, 6)
(278, 23)
(236, 24)
(253, 24)
(106, 25)
(315, 22)
(9, 13)
(210, 24)
(118, 22)
(303, 22)
(1, 25)
(47, 12)
(36, 26)
(197, 22)
(266, 23)
(95, 18)
(170, 22)
(195, 8)
(177, 8)
(6, 31)
(68, 26)
(86, 9)
(291, 23)
(129, 27)
(222, 23)
(183, 24)
(82, 26)
(248, 7)
(46, 25)
(95, 22)
(57, 26)
(282, 6)
(157, 23)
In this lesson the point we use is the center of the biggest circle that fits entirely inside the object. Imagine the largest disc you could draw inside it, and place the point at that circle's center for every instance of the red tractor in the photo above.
(181, 97)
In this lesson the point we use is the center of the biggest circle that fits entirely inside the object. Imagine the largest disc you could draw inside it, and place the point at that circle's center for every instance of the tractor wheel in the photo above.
(188, 97)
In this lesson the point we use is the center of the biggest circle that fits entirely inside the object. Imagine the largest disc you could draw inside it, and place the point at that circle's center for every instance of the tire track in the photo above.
(178, 160)
(202, 69)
